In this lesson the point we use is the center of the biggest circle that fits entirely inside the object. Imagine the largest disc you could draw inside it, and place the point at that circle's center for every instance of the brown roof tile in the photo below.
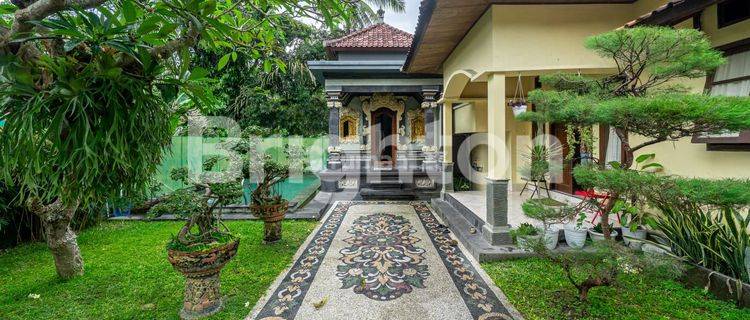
(379, 35)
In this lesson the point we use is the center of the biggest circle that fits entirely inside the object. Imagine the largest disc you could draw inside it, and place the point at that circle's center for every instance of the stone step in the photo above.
(387, 185)
(388, 194)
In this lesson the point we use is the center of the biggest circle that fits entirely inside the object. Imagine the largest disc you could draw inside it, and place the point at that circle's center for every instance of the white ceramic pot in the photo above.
(528, 242)
(551, 238)
(639, 234)
(575, 237)
(596, 236)
(519, 109)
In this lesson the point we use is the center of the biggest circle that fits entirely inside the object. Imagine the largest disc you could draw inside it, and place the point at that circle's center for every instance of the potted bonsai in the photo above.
(204, 245)
(266, 202)
(549, 212)
(261, 170)
(526, 236)
(597, 234)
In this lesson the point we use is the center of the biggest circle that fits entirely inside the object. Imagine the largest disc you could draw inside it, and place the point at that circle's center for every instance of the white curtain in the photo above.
(614, 148)
(737, 66)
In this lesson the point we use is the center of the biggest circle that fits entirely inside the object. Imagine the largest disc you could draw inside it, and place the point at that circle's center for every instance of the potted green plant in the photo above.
(266, 202)
(549, 212)
(526, 236)
(631, 219)
(204, 245)
(597, 233)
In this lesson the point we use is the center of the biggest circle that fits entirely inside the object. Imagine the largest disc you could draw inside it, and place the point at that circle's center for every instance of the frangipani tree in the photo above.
(85, 87)
(640, 97)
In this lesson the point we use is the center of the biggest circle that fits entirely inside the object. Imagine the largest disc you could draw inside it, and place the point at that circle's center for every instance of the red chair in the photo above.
(600, 198)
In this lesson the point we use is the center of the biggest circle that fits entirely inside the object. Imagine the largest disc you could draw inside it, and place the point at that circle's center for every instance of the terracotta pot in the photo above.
(272, 215)
(202, 278)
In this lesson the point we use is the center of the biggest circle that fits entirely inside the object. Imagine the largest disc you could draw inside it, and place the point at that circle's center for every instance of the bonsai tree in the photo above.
(638, 98)
(266, 200)
(605, 264)
(204, 244)
(86, 87)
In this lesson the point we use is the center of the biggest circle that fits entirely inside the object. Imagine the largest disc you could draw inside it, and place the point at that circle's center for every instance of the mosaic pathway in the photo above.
(383, 260)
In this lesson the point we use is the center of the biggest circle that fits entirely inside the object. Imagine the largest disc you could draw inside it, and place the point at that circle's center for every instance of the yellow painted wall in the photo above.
(537, 37)
(471, 118)
(474, 52)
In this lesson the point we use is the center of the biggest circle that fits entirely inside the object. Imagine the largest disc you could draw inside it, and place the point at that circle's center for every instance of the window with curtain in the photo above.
(614, 149)
(730, 79)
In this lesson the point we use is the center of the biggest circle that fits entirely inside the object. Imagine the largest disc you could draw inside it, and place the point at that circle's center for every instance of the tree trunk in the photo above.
(64, 247)
(583, 294)
(61, 239)
(272, 232)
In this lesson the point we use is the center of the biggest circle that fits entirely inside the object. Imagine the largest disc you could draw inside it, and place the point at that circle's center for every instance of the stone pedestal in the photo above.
(202, 297)
(497, 231)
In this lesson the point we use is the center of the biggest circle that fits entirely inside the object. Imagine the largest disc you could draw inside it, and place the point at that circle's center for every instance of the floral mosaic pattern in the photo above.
(287, 299)
(382, 261)
(479, 298)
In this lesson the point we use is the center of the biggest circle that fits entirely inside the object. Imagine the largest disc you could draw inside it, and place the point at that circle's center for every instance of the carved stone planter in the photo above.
(272, 215)
(202, 271)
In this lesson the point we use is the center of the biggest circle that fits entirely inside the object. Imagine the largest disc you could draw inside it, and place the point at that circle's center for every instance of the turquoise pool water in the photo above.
(289, 188)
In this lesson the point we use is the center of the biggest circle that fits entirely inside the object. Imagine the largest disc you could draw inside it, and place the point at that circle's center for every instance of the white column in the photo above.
(447, 132)
(498, 160)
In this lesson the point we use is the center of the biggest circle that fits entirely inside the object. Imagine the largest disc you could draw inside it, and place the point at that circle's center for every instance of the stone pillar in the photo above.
(334, 113)
(429, 104)
(496, 230)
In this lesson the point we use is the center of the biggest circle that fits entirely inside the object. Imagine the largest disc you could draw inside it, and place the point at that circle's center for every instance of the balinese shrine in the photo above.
(383, 123)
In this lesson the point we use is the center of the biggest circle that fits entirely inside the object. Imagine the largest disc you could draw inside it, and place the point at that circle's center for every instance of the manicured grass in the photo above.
(128, 275)
(539, 290)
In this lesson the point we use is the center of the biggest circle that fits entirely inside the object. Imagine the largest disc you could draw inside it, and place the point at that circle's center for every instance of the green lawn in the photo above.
(539, 290)
(128, 275)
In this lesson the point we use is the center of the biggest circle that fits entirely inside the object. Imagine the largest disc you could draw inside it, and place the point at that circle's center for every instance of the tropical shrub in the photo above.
(703, 224)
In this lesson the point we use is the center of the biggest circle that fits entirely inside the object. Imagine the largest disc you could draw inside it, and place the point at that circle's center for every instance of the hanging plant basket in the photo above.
(518, 107)
(518, 103)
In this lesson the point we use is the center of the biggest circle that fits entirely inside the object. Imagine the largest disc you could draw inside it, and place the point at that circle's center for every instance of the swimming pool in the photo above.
(290, 188)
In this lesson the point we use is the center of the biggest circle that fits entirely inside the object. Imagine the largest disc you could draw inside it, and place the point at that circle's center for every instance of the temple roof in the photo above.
(377, 36)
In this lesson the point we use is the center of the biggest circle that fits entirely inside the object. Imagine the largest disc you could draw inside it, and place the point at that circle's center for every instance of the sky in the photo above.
(406, 20)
